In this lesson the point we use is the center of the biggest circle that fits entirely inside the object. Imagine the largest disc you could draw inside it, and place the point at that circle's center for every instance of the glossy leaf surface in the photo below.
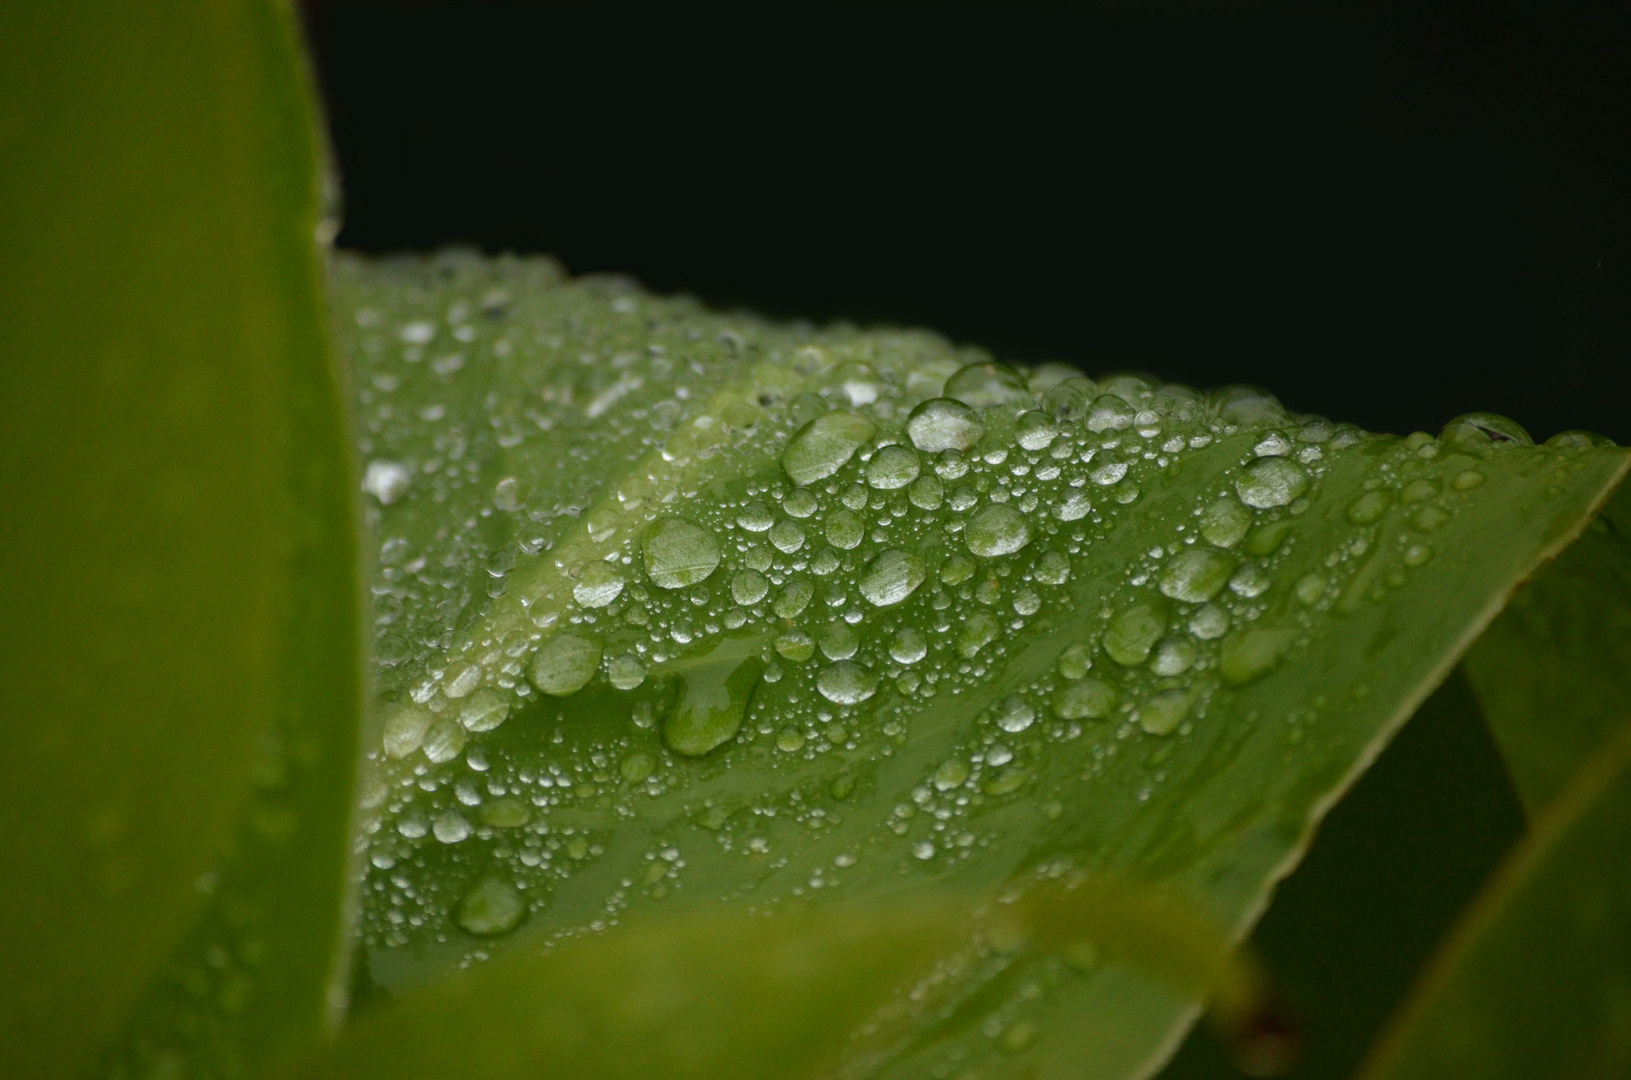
(178, 534)
(677, 608)
(1534, 982)
(1553, 673)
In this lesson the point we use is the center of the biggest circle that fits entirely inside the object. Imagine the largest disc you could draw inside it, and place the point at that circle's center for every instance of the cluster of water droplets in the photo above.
(660, 588)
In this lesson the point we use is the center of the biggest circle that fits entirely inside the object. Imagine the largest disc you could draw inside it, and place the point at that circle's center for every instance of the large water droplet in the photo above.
(1133, 633)
(1248, 405)
(891, 577)
(1013, 715)
(1478, 430)
(1085, 699)
(491, 908)
(1162, 714)
(987, 384)
(445, 740)
(1254, 654)
(1107, 412)
(679, 552)
(943, 424)
(597, 586)
(998, 529)
(564, 664)
(1225, 522)
(749, 587)
(1196, 575)
(714, 692)
(404, 729)
(892, 467)
(824, 445)
(484, 710)
(846, 683)
(909, 646)
(1269, 482)
(787, 537)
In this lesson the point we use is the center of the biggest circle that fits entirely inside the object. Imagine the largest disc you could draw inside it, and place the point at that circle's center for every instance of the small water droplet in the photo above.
(1369, 507)
(1014, 715)
(386, 481)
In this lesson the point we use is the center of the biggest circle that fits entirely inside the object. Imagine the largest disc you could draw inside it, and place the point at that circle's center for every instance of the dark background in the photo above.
(1386, 213)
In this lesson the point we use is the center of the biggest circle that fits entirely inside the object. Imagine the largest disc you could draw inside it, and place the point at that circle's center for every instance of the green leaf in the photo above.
(1053, 627)
(1554, 671)
(1536, 981)
(180, 593)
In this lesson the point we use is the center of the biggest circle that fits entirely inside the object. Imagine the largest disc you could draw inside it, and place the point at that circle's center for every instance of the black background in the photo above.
(1386, 213)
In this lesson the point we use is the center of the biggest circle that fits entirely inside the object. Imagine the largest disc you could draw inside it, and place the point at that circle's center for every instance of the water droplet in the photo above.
(444, 741)
(756, 517)
(404, 729)
(1073, 507)
(1108, 468)
(909, 646)
(891, 577)
(1251, 580)
(386, 481)
(1007, 782)
(824, 445)
(793, 598)
(1036, 431)
(714, 692)
(795, 645)
(978, 631)
(678, 553)
(844, 529)
(1196, 575)
(1479, 430)
(491, 908)
(749, 587)
(1174, 656)
(987, 384)
(564, 664)
(1428, 519)
(1270, 482)
(1133, 633)
(800, 503)
(943, 424)
(1052, 568)
(923, 849)
(1254, 654)
(507, 495)
(1369, 507)
(951, 774)
(1209, 623)
(597, 586)
(846, 683)
(1076, 661)
(998, 529)
(1309, 589)
(1085, 699)
(1248, 405)
(1225, 522)
(626, 672)
(1013, 715)
(1067, 401)
(1418, 491)
(509, 813)
(1107, 412)
(484, 710)
(1417, 555)
(1466, 481)
(1266, 537)
(926, 492)
(956, 570)
(892, 467)
(451, 828)
(1162, 714)
(787, 537)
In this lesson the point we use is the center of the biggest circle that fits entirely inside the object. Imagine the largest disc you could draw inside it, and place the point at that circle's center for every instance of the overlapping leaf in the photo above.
(180, 646)
(677, 608)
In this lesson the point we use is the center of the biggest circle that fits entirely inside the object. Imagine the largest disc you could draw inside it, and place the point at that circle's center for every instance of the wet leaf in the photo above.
(1536, 981)
(1040, 682)
(180, 635)
(1553, 673)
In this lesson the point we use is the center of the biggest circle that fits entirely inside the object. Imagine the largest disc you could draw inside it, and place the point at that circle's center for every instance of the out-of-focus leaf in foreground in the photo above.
(1553, 673)
(1536, 982)
(179, 643)
(677, 609)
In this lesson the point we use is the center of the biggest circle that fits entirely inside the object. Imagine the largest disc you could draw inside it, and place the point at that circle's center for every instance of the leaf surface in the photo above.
(179, 531)
(1553, 673)
(1536, 981)
(677, 608)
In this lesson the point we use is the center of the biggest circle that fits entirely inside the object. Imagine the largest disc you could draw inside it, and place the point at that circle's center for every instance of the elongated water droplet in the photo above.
(678, 553)
(1196, 575)
(891, 577)
(1477, 430)
(824, 445)
(714, 692)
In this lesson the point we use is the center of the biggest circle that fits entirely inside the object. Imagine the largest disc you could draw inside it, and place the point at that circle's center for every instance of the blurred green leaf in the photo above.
(1052, 628)
(1536, 981)
(180, 645)
(1553, 673)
